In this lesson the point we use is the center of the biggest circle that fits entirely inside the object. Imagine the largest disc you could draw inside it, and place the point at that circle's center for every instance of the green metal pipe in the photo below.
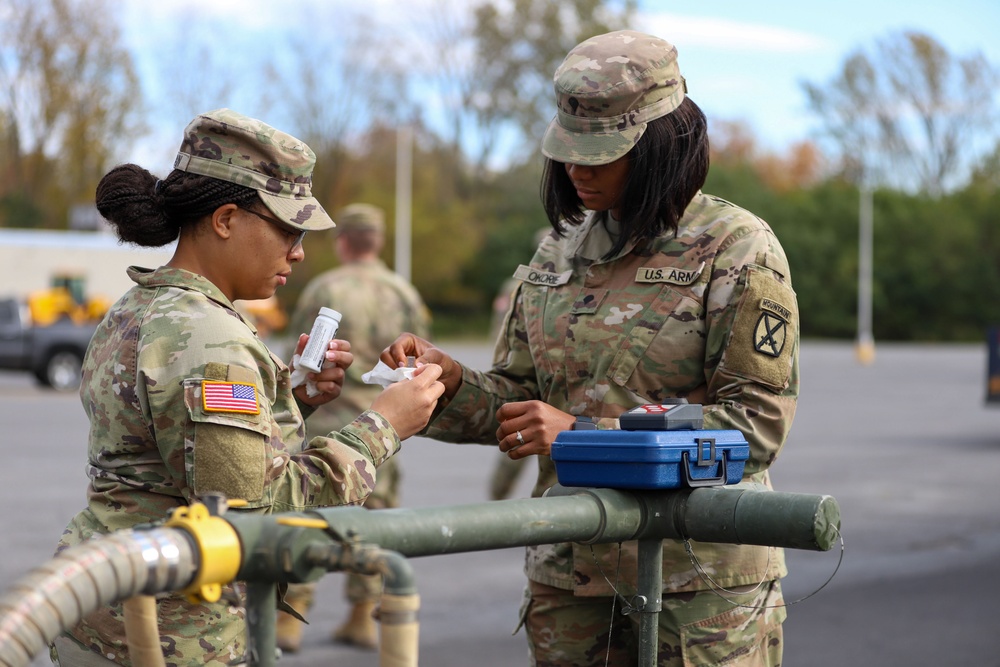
(752, 515)
(262, 620)
(491, 525)
(396, 572)
(739, 514)
(650, 602)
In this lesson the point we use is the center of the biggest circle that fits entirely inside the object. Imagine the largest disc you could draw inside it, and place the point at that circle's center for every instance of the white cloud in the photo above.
(725, 34)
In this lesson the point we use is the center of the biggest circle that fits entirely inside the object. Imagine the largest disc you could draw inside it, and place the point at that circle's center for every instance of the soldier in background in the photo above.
(376, 305)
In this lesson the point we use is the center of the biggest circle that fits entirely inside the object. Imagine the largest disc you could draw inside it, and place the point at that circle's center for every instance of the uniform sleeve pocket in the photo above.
(765, 330)
(227, 451)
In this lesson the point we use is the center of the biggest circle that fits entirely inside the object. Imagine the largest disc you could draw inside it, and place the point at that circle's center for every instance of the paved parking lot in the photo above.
(906, 445)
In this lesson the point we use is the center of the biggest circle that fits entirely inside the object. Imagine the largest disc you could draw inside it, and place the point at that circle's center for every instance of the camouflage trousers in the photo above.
(504, 476)
(359, 587)
(66, 652)
(700, 628)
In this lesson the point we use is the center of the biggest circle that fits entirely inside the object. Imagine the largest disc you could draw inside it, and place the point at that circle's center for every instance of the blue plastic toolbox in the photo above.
(649, 459)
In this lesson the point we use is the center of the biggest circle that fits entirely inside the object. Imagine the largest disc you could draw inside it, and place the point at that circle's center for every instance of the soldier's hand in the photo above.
(529, 427)
(409, 404)
(330, 379)
(411, 345)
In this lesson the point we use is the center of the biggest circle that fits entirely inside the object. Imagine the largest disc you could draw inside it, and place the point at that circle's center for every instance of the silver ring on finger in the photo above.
(520, 438)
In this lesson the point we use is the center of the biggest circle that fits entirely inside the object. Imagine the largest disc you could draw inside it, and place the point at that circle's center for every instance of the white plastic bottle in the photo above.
(323, 330)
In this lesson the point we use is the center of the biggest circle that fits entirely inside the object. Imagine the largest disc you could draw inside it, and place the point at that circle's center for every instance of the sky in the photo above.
(743, 61)
(746, 60)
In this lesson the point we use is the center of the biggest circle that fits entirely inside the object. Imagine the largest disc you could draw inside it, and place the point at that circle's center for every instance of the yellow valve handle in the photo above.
(218, 545)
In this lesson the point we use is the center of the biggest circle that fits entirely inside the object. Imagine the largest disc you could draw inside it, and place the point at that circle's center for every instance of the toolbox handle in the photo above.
(719, 480)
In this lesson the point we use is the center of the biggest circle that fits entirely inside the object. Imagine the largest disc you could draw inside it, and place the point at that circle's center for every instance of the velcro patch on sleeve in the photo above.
(229, 397)
(229, 460)
(764, 331)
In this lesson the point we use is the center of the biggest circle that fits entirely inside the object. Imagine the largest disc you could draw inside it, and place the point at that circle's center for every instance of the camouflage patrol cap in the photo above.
(607, 88)
(361, 218)
(229, 146)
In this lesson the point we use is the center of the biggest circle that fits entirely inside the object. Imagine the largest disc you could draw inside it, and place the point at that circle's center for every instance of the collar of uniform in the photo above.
(597, 235)
(167, 276)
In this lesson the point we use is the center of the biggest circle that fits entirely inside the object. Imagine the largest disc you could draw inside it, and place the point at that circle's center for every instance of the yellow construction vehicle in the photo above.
(66, 298)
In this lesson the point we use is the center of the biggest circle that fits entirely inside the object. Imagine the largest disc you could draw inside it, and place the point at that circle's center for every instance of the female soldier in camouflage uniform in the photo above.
(183, 397)
(648, 289)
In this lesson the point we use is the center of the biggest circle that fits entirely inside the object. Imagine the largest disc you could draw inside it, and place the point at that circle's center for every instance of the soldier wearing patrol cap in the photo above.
(185, 400)
(376, 304)
(650, 289)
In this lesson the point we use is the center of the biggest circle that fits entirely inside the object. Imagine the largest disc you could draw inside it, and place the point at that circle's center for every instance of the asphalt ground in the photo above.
(906, 445)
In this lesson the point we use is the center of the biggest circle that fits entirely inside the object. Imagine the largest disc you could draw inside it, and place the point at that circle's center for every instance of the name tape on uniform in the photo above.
(668, 274)
(538, 277)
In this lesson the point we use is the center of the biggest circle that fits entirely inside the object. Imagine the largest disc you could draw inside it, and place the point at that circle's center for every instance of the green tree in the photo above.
(511, 214)
(69, 99)
(934, 268)
(908, 113)
(445, 239)
(817, 228)
(519, 45)
(986, 174)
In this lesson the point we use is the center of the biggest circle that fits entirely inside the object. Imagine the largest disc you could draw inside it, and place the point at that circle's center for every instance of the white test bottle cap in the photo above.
(331, 313)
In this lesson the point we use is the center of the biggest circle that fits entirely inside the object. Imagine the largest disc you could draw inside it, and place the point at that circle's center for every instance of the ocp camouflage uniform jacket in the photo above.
(708, 314)
(157, 442)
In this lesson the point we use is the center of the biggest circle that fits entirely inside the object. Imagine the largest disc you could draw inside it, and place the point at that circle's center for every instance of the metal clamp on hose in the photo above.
(218, 548)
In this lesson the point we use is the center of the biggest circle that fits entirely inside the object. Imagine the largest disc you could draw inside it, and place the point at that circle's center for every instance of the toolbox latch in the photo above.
(704, 460)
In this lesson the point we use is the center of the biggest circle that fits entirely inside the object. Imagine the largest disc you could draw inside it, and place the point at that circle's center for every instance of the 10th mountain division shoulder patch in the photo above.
(772, 328)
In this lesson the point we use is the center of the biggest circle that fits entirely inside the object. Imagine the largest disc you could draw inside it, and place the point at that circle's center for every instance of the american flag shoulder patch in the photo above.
(229, 397)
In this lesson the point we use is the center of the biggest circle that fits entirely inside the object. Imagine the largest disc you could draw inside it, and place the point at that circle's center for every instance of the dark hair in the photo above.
(668, 165)
(149, 212)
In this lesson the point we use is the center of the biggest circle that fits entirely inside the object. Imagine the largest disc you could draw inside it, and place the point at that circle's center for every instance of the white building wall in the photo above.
(29, 258)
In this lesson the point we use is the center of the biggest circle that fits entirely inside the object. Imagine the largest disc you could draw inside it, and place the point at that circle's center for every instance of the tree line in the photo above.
(905, 118)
